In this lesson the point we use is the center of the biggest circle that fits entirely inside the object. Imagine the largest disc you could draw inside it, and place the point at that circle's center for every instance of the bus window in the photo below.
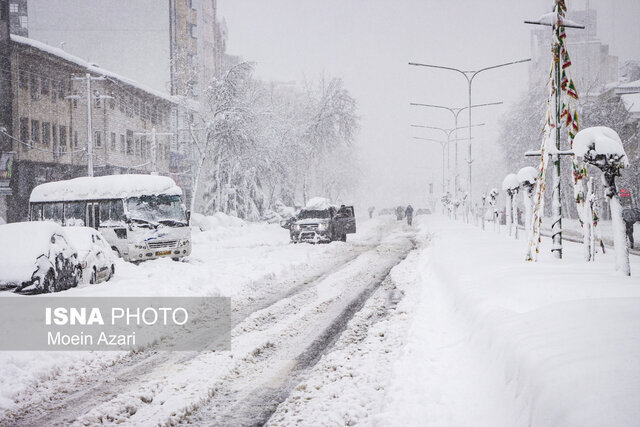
(36, 212)
(117, 211)
(93, 215)
(74, 214)
(52, 212)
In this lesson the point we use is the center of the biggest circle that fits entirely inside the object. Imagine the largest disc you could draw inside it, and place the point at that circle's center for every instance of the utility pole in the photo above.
(154, 158)
(88, 79)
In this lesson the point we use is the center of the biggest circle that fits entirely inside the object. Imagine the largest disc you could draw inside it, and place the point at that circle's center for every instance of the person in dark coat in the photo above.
(409, 214)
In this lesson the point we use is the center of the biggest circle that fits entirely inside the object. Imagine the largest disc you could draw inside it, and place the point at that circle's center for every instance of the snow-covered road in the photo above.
(290, 305)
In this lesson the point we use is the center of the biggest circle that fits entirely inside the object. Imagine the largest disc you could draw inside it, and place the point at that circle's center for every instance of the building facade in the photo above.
(47, 135)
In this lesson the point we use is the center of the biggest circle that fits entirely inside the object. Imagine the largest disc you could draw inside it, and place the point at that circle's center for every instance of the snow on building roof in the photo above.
(631, 85)
(105, 187)
(92, 68)
(528, 174)
(510, 182)
(600, 140)
(631, 102)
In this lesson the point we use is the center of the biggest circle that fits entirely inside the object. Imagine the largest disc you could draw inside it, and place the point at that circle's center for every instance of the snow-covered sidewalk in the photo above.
(497, 341)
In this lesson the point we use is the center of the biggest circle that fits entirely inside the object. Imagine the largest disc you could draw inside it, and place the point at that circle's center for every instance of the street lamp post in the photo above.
(455, 111)
(470, 75)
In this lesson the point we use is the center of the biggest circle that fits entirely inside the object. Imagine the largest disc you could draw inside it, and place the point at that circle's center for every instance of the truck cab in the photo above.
(321, 225)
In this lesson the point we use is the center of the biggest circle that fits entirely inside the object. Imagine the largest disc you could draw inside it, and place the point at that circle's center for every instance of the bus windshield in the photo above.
(162, 209)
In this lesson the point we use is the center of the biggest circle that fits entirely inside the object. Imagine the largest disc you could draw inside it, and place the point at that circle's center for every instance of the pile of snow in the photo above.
(510, 182)
(279, 212)
(318, 204)
(105, 187)
(216, 221)
(551, 18)
(599, 141)
(528, 175)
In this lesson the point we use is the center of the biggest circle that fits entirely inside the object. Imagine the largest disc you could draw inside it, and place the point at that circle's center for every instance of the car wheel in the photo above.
(94, 277)
(48, 282)
(112, 272)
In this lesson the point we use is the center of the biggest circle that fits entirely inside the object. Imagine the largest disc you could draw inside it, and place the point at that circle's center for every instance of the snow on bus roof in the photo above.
(104, 187)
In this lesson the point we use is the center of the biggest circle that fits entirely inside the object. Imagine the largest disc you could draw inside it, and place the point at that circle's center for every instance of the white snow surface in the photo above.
(318, 204)
(631, 102)
(550, 19)
(510, 182)
(599, 140)
(528, 174)
(105, 187)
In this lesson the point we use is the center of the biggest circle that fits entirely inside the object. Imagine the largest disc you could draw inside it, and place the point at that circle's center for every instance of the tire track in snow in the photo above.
(61, 400)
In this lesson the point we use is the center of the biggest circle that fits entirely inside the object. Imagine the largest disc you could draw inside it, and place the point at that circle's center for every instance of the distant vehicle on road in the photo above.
(94, 253)
(141, 216)
(37, 257)
(320, 222)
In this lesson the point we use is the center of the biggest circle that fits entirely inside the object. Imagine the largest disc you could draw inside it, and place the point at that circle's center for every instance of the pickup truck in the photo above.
(321, 225)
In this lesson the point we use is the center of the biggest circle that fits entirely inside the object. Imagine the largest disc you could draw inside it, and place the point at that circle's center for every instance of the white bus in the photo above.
(141, 216)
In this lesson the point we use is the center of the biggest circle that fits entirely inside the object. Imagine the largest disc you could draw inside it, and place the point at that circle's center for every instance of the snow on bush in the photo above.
(510, 182)
(528, 175)
(600, 144)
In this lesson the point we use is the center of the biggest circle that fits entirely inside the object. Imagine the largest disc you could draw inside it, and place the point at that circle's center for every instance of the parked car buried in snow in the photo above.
(321, 222)
(94, 253)
(37, 257)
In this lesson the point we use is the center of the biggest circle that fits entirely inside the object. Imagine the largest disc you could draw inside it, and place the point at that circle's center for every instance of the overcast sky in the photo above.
(369, 43)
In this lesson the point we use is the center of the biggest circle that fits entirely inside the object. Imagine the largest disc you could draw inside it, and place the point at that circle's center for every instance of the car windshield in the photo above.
(161, 209)
(305, 214)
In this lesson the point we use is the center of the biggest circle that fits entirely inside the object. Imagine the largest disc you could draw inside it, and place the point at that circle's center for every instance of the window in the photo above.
(113, 141)
(35, 131)
(23, 21)
(112, 102)
(75, 139)
(54, 135)
(97, 100)
(121, 148)
(129, 142)
(137, 147)
(144, 146)
(74, 214)
(192, 30)
(13, 7)
(46, 133)
(35, 87)
(54, 91)
(24, 129)
(61, 89)
(24, 79)
(121, 103)
(97, 136)
(44, 81)
(63, 136)
(52, 212)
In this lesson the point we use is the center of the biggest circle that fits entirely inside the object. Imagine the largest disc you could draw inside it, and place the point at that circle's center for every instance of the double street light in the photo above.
(455, 111)
(469, 75)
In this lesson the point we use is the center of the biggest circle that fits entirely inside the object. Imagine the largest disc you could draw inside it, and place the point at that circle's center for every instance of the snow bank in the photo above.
(104, 187)
(510, 182)
(318, 204)
(527, 174)
(599, 140)
(554, 343)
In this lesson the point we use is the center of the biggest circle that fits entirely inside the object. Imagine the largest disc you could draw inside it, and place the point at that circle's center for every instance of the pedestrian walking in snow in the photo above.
(371, 210)
(409, 214)
(630, 216)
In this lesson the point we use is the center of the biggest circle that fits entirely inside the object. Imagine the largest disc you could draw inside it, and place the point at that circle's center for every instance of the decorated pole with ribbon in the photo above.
(558, 111)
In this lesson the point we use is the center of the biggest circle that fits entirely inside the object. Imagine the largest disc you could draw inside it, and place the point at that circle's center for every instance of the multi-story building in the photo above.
(46, 135)
(19, 18)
